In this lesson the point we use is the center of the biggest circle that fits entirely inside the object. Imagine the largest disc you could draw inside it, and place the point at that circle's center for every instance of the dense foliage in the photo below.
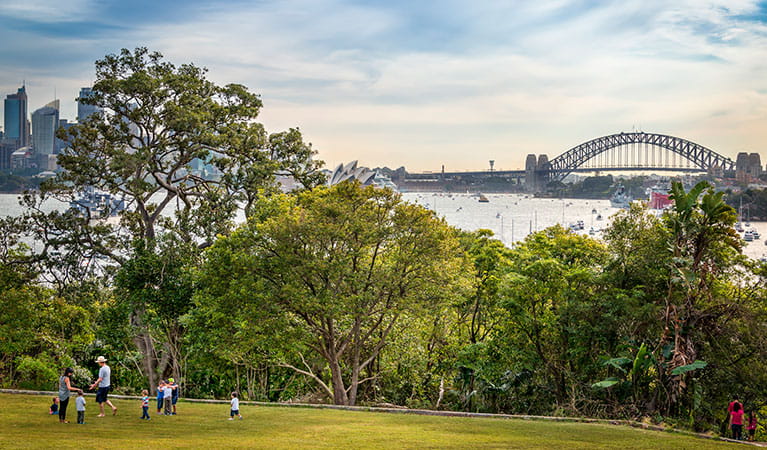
(351, 295)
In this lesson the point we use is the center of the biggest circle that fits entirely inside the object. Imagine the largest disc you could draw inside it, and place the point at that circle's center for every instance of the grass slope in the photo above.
(24, 423)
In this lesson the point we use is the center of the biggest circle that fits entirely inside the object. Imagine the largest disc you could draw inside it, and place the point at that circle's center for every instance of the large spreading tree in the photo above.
(158, 124)
(341, 266)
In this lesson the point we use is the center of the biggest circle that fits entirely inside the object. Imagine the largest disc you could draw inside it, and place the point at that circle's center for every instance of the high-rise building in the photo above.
(45, 122)
(16, 124)
(83, 109)
(60, 143)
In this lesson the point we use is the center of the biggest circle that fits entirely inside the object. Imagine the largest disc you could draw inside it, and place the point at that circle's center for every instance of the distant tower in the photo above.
(16, 124)
(741, 167)
(45, 122)
(83, 109)
(492, 163)
(531, 176)
(754, 165)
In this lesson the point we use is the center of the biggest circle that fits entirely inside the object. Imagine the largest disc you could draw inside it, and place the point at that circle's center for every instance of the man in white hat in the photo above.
(104, 383)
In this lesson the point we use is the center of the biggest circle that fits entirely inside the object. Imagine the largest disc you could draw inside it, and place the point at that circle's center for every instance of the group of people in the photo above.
(61, 403)
(167, 396)
(736, 415)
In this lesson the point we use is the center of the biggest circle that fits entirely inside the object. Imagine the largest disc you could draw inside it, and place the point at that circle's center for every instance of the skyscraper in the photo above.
(83, 109)
(45, 122)
(16, 124)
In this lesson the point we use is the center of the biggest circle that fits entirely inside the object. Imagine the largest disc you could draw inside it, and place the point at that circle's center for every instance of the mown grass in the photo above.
(24, 423)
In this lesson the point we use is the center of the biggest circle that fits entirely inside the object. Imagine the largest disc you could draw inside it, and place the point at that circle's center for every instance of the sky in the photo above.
(430, 83)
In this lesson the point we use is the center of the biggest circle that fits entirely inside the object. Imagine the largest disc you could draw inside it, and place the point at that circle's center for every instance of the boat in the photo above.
(577, 226)
(593, 211)
(620, 198)
(739, 227)
(483, 199)
(383, 181)
(748, 236)
(599, 216)
(756, 234)
(97, 204)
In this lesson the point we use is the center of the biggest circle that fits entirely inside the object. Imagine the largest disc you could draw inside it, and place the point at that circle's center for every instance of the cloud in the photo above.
(45, 11)
(415, 83)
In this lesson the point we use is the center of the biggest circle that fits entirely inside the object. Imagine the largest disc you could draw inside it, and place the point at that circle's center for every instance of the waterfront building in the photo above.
(16, 124)
(83, 109)
(45, 122)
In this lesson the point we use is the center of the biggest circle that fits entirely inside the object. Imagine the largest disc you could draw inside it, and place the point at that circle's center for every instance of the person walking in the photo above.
(736, 421)
(145, 404)
(104, 382)
(65, 388)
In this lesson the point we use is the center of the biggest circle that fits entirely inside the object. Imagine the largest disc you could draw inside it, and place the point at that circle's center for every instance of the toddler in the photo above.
(54, 409)
(80, 404)
(145, 404)
(235, 411)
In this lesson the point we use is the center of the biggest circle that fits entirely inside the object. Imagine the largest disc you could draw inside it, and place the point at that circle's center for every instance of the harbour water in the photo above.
(511, 217)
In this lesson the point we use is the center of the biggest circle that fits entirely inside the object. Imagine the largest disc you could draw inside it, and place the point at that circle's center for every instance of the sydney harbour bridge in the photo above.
(635, 151)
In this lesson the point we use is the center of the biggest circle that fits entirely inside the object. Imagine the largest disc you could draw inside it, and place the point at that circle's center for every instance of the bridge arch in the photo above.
(702, 157)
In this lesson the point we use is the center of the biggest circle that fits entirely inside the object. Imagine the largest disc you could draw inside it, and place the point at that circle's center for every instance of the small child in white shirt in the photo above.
(167, 394)
(235, 410)
(80, 404)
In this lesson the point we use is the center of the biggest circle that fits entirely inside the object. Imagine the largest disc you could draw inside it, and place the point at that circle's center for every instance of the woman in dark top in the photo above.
(65, 387)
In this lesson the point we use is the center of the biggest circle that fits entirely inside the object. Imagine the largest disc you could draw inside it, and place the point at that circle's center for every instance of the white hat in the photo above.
(101, 359)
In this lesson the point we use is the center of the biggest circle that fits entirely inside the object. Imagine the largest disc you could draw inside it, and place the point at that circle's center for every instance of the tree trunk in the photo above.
(339, 393)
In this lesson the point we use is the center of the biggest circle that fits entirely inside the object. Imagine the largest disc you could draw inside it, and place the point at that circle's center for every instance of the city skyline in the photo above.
(425, 85)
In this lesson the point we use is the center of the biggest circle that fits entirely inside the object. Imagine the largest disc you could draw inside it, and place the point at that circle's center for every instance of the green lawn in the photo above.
(25, 423)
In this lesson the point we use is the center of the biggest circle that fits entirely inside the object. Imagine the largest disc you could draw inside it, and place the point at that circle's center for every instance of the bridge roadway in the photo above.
(521, 173)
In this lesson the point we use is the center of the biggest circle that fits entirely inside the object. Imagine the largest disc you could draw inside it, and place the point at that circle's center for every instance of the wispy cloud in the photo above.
(423, 83)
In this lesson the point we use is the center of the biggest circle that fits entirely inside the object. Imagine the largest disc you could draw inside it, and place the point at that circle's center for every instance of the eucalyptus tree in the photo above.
(340, 267)
(185, 154)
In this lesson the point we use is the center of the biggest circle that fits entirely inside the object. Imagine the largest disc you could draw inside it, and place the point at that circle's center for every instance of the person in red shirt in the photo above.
(751, 425)
(736, 421)
(732, 403)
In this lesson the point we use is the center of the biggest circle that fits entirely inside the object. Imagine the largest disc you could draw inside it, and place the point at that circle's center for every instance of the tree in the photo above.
(157, 123)
(702, 241)
(343, 265)
(559, 307)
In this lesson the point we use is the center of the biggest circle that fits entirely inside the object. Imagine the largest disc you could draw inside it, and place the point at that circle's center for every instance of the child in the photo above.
(751, 427)
(235, 411)
(80, 403)
(54, 409)
(160, 396)
(167, 394)
(145, 404)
